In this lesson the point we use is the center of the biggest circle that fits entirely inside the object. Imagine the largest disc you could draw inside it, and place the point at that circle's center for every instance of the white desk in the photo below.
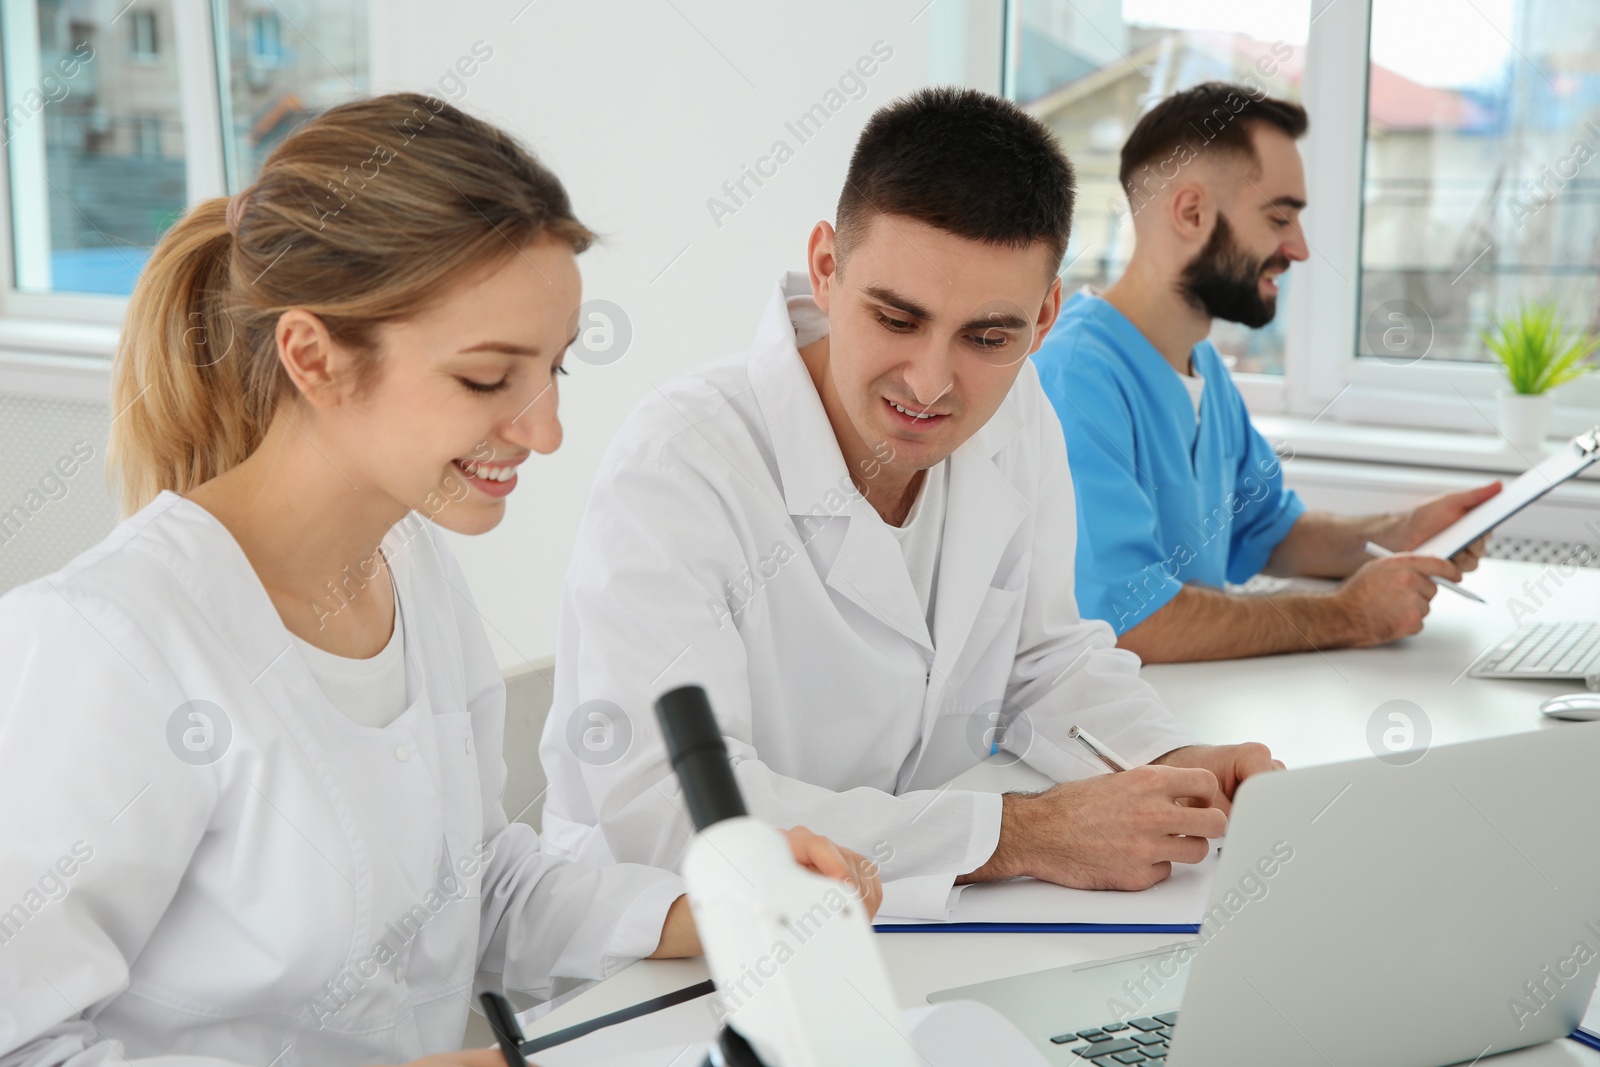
(1314, 707)
(1311, 708)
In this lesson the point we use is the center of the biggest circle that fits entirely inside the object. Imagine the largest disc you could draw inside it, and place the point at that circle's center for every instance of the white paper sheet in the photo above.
(1180, 900)
(672, 1037)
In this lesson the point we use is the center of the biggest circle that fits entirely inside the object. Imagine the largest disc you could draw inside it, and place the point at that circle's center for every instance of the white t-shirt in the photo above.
(371, 692)
(921, 537)
(1196, 386)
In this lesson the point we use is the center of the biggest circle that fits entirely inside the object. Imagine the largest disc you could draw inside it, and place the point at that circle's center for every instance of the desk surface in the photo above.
(1312, 707)
(1315, 707)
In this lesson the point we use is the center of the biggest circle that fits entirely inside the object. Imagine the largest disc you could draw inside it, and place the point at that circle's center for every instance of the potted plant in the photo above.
(1538, 355)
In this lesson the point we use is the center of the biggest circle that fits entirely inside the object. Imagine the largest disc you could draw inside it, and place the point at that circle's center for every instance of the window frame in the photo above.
(153, 53)
(1323, 378)
(200, 53)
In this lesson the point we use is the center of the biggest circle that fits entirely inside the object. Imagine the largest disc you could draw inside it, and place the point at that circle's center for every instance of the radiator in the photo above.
(54, 502)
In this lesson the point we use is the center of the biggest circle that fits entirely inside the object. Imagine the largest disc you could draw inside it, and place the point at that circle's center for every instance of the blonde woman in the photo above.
(250, 745)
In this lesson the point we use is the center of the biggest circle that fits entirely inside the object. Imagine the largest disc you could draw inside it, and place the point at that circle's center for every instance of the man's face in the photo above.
(927, 333)
(1255, 237)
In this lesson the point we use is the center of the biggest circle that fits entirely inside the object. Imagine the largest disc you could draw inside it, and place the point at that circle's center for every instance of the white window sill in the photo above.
(1393, 446)
(54, 360)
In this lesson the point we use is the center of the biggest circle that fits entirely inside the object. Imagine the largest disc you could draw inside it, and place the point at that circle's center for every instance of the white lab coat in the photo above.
(234, 910)
(724, 546)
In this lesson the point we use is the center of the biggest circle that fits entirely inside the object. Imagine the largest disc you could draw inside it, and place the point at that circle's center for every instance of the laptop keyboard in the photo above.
(1546, 649)
(1135, 1041)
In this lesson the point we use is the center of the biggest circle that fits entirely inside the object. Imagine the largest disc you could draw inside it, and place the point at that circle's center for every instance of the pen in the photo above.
(1373, 548)
(503, 1021)
(1101, 752)
(1104, 754)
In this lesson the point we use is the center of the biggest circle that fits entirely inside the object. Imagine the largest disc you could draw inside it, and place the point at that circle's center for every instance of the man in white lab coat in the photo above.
(858, 536)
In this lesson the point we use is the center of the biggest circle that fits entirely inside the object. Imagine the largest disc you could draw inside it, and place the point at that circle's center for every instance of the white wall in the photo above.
(644, 108)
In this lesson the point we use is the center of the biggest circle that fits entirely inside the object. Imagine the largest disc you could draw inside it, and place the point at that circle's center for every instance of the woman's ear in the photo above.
(317, 367)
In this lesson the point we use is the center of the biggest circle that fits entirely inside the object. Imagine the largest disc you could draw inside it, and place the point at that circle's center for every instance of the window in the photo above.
(1089, 70)
(146, 137)
(113, 125)
(88, 129)
(143, 25)
(1453, 172)
(285, 63)
(1482, 188)
(266, 38)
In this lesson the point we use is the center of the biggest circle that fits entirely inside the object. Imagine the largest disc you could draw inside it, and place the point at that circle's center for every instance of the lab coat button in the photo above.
(400, 973)
(401, 754)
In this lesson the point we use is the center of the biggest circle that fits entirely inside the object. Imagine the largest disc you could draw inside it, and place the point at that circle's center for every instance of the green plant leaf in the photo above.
(1536, 352)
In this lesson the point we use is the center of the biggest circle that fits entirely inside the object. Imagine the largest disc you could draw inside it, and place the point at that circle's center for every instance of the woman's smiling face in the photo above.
(466, 389)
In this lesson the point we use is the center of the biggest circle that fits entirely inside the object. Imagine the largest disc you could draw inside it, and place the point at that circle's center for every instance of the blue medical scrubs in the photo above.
(1162, 501)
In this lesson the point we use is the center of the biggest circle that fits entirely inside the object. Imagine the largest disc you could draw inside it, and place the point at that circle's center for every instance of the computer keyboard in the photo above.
(1544, 650)
(1141, 1040)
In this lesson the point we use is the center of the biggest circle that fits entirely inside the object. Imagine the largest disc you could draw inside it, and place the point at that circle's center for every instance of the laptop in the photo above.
(1371, 913)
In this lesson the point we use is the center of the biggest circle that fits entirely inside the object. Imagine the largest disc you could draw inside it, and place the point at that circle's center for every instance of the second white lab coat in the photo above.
(270, 882)
(725, 546)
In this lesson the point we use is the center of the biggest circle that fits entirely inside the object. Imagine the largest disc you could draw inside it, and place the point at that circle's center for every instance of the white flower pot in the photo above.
(1525, 420)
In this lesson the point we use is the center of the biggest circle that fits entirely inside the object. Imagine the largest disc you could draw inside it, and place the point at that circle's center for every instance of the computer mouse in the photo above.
(1579, 707)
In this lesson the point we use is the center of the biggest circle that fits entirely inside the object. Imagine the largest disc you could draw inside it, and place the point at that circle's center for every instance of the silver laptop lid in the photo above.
(1401, 914)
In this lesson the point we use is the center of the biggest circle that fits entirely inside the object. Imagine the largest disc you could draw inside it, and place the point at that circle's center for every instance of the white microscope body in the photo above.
(792, 953)
(799, 979)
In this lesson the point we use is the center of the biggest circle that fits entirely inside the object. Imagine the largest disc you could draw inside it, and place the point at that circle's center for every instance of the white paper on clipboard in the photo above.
(1535, 483)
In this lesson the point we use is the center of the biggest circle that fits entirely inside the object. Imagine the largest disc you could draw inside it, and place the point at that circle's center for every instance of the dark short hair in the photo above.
(971, 164)
(1215, 116)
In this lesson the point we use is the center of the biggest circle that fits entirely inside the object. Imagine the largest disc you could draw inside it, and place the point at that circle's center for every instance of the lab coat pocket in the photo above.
(998, 603)
(461, 794)
(997, 614)
(443, 957)
(987, 653)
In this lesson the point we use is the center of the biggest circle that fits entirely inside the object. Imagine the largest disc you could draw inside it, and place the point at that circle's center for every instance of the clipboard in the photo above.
(1567, 462)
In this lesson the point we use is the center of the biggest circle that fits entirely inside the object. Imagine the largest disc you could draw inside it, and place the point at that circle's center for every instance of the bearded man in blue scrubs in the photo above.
(1178, 495)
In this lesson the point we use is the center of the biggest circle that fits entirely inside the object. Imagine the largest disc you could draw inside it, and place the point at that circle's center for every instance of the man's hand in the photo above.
(1230, 764)
(1387, 599)
(1413, 527)
(1113, 831)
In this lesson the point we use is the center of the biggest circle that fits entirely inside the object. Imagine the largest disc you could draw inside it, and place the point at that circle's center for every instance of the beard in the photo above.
(1225, 280)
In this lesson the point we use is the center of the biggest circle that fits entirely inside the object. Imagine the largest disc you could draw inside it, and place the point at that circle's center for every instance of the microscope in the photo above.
(799, 979)
(800, 982)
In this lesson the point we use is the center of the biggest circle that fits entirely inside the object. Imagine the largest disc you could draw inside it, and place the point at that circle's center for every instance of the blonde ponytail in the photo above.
(182, 412)
(362, 216)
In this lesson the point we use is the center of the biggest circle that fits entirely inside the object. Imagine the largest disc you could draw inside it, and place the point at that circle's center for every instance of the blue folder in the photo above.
(1037, 928)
